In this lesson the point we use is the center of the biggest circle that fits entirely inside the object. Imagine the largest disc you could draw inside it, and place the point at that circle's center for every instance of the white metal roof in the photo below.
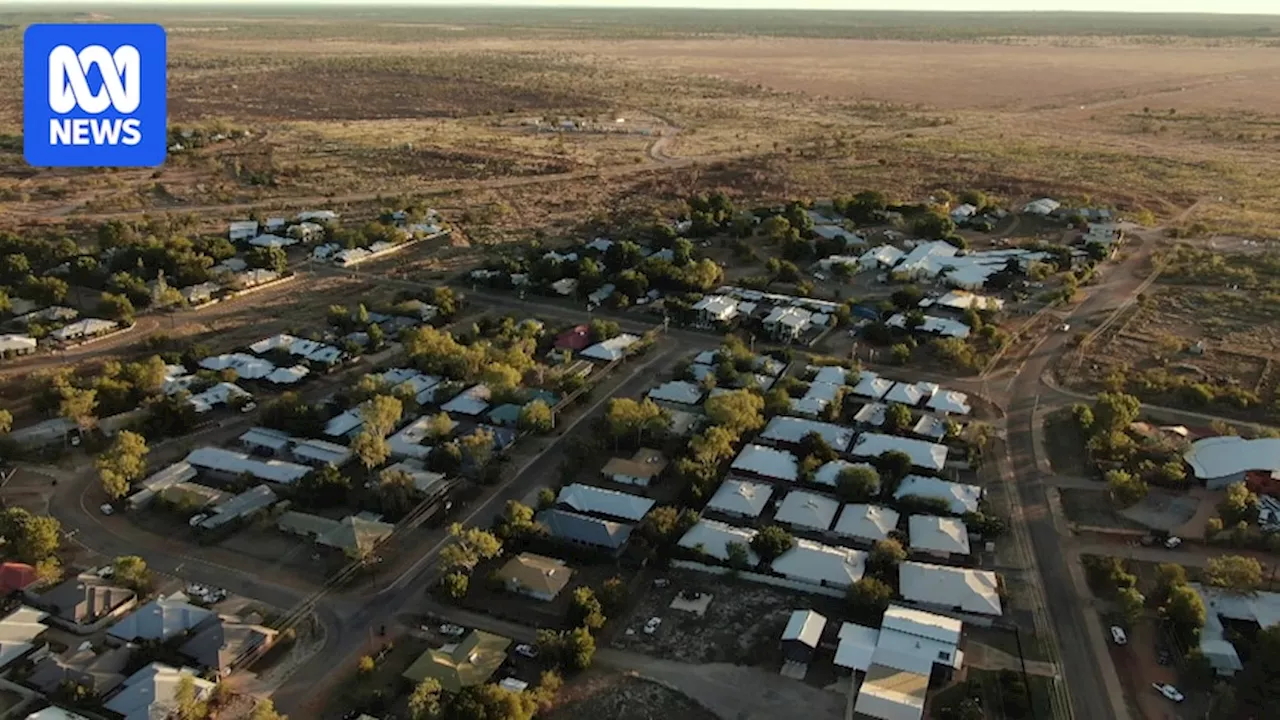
(611, 349)
(266, 437)
(321, 451)
(963, 300)
(408, 441)
(929, 533)
(931, 456)
(84, 328)
(829, 474)
(287, 376)
(881, 255)
(1227, 455)
(819, 564)
(910, 393)
(18, 631)
(246, 366)
(807, 510)
(805, 626)
(741, 497)
(872, 386)
(871, 414)
(470, 402)
(831, 374)
(343, 424)
(678, 391)
(599, 501)
(17, 343)
(713, 537)
(718, 306)
(866, 522)
(930, 426)
(969, 590)
(792, 430)
(219, 394)
(273, 241)
(934, 324)
(816, 398)
(857, 644)
(962, 498)
(423, 479)
(767, 462)
(950, 402)
(923, 624)
(236, 463)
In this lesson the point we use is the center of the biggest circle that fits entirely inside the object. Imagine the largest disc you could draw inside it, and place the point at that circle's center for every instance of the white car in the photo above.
(107, 509)
(106, 572)
(197, 519)
(652, 625)
(451, 630)
(1168, 691)
(1117, 634)
(1172, 542)
(525, 650)
(1064, 327)
(249, 407)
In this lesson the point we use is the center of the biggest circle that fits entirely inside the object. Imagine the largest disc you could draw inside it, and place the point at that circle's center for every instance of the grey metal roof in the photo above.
(583, 529)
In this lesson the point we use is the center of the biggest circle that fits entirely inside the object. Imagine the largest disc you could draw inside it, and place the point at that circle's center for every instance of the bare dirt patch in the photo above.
(1094, 508)
(599, 694)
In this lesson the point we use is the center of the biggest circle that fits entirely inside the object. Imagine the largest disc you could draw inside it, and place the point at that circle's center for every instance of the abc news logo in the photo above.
(94, 95)
(69, 90)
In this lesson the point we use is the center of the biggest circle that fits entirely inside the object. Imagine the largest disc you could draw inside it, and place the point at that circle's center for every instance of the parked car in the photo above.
(197, 519)
(1117, 634)
(249, 407)
(525, 650)
(107, 509)
(661, 582)
(1064, 327)
(1172, 541)
(652, 625)
(451, 630)
(106, 572)
(1168, 691)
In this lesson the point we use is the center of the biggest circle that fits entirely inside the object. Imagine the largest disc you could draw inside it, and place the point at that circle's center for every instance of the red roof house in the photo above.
(15, 576)
(577, 338)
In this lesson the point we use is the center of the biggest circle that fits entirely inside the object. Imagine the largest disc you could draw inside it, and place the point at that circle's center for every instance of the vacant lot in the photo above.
(1094, 508)
(600, 694)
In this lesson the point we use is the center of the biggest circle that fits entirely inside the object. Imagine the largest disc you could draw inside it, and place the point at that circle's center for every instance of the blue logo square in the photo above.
(94, 95)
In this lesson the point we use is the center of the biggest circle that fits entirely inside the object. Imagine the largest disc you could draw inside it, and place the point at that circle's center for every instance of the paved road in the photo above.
(304, 694)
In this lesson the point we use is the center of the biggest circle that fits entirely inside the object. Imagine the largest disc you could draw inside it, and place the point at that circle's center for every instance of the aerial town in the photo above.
(968, 453)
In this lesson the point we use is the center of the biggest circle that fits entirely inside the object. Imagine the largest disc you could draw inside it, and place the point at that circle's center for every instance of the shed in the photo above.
(802, 634)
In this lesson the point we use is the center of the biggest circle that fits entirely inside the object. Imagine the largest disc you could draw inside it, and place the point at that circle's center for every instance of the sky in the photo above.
(1261, 7)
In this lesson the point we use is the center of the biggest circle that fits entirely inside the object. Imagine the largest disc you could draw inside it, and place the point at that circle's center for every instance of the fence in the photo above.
(757, 577)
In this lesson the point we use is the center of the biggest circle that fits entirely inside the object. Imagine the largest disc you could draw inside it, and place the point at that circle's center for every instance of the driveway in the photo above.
(733, 692)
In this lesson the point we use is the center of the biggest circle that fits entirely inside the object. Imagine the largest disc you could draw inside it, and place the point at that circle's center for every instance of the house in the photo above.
(408, 442)
(583, 530)
(787, 324)
(81, 329)
(924, 455)
(148, 489)
(961, 300)
(247, 367)
(98, 673)
(712, 538)
(11, 345)
(604, 292)
(946, 327)
(470, 662)
(740, 498)
(505, 415)
(83, 603)
(228, 465)
(470, 402)
(804, 510)
(766, 462)
(565, 286)
(930, 427)
(274, 223)
(944, 538)
(355, 536)
(871, 414)
(821, 565)
(18, 632)
(792, 431)
(868, 524)
(306, 231)
(1261, 609)
(640, 469)
(226, 642)
(816, 398)
(950, 588)
(224, 393)
(273, 241)
(599, 501)
(872, 386)
(239, 508)
(801, 635)
(200, 293)
(1043, 206)
(949, 402)
(319, 453)
(539, 577)
(960, 498)
(317, 216)
(161, 619)
(152, 692)
(576, 338)
(15, 577)
(679, 392)
(962, 213)
(910, 394)
(344, 425)
(1223, 460)
(424, 481)
(911, 649)
(52, 314)
(713, 309)
(612, 349)
(829, 473)
(242, 230)
(53, 712)
(880, 258)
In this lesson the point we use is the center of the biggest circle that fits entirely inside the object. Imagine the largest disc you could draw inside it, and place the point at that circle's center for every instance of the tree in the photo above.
(479, 446)
(777, 402)
(188, 699)
(1234, 573)
(933, 224)
(535, 417)
(771, 542)
(1239, 504)
(900, 354)
(897, 417)
(907, 297)
(265, 710)
(867, 599)
(132, 572)
(367, 665)
(424, 703)
(613, 594)
(713, 445)
(324, 487)
(585, 610)
(454, 585)
(1184, 609)
(600, 330)
(31, 538)
(380, 415)
(894, 466)
(124, 463)
(577, 649)
(77, 405)
(1257, 692)
(738, 410)
(270, 258)
(6, 422)
(857, 484)
(371, 448)
(885, 556)
(737, 555)
(1125, 487)
(625, 417)
(1114, 412)
(470, 546)
(1131, 603)
(397, 492)
(116, 307)
(440, 426)
(515, 522)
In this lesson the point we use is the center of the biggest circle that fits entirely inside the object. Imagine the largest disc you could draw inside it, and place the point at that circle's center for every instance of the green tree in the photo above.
(397, 492)
(265, 710)
(933, 225)
(1257, 692)
(324, 487)
(424, 703)
(625, 417)
(613, 594)
(122, 464)
(1234, 573)
(737, 555)
(115, 307)
(470, 546)
(6, 422)
(515, 522)
(269, 258)
(1114, 412)
(899, 354)
(454, 585)
(371, 448)
(381, 414)
(367, 665)
(713, 445)
(440, 426)
(771, 542)
(1239, 504)
(897, 418)
(857, 484)
(1131, 604)
(867, 599)
(535, 417)
(30, 538)
(78, 405)
(739, 411)
(187, 698)
(1184, 609)
(777, 402)
(578, 648)
(1125, 487)
(132, 572)
(585, 610)
(479, 446)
